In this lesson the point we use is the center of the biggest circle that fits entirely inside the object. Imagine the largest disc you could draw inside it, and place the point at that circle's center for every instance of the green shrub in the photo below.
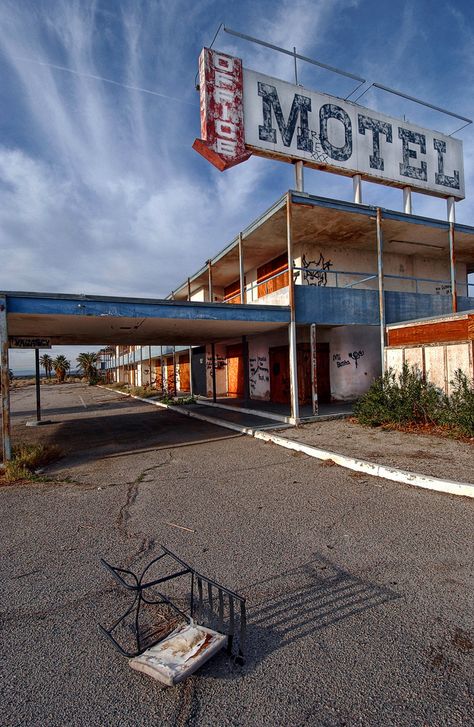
(400, 399)
(459, 410)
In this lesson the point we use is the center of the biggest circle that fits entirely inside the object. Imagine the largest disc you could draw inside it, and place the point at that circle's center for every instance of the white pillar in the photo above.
(451, 209)
(299, 176)
(407, 205)
(295, 413)
(357, 186)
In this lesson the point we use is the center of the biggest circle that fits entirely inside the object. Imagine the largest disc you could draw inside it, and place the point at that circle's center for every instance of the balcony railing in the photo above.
(352, 279)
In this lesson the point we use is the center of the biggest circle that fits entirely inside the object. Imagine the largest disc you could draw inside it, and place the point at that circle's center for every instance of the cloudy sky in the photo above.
(100, 190)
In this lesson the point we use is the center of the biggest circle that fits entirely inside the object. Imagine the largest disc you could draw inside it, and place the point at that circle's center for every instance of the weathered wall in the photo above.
(437, 362)
(354, 359)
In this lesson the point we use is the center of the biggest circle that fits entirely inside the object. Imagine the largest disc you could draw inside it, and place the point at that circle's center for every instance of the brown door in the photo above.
(235, 370)
(322, 369)
(158, 381)
(170, 375)
(184, 372)
(303, 353)
(279, 375)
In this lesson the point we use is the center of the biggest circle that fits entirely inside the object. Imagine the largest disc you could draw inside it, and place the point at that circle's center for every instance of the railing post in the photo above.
(241, 268)
(209, 273)
(5, 382)
(292, 327)
(381, 286)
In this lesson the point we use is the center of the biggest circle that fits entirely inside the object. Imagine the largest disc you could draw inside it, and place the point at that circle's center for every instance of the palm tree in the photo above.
(61, 366)
(47, 363)
(88, 365)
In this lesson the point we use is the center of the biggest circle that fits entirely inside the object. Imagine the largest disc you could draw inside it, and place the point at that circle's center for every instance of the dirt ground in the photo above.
(421, 453)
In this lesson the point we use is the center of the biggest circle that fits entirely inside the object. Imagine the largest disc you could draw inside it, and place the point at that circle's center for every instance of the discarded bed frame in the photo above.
(202, 611)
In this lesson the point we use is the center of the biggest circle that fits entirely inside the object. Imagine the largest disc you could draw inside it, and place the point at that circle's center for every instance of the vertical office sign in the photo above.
(222, 139)
(244, 112)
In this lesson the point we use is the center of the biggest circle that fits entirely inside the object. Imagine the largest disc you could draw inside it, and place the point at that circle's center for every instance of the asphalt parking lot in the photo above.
(360, 591)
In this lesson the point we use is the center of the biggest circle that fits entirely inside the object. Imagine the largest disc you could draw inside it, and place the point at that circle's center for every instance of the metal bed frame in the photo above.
(209, 604)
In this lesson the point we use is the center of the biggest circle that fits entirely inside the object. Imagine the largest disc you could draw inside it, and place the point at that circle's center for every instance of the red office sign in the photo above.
(222, 113)
(244, 112)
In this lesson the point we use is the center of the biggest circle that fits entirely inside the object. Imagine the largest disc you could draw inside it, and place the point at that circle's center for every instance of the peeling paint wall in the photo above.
(437, 362)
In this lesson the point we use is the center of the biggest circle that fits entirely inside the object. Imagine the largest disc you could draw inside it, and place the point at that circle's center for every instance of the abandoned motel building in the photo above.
(304, 309)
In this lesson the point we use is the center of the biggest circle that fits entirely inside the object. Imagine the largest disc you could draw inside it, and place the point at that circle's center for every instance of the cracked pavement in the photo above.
(360, 591)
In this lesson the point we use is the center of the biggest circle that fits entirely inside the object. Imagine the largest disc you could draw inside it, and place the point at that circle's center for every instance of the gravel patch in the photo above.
(420, 453)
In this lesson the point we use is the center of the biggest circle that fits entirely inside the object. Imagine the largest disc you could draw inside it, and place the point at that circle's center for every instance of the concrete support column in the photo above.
(314, 369)
(163, 390)
(191, 371)
(295, 414)
(213, 372)
(175, 377)
(381, 286)
(5, 393)
(407, 204)
(150, 377)
(357, 187)
(241, 268)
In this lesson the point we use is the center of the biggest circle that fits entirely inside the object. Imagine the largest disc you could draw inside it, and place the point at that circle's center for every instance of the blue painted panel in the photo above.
(116, 308)
(465, 303)
(409, 306)
(343, 306)
(336, 306)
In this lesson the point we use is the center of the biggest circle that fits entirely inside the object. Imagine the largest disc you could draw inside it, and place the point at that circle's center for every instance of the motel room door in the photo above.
(280, 373)
(235, 370)
(184, 372)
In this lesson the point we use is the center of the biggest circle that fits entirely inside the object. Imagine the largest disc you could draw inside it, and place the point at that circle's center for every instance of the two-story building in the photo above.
(345, 271)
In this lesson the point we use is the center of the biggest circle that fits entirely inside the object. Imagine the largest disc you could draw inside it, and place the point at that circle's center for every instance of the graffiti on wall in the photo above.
(443, 289)
(258, 371)
(315, 272)
(356, 355)
(341, 362)
(221, 362)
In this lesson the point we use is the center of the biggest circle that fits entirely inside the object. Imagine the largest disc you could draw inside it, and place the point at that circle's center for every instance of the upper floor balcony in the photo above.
(335, 263)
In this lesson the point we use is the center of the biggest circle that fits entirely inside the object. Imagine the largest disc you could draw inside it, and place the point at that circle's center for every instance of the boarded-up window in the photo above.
(232, 292)
(277, 270)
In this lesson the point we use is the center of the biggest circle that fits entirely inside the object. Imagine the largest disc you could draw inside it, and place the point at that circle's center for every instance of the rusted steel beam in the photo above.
(452, 268)
(381, 286)
(314, 370)
(295, 413)
(5, 382)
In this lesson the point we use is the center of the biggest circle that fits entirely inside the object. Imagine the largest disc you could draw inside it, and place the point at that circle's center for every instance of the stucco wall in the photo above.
(438, 362)
(354, 360)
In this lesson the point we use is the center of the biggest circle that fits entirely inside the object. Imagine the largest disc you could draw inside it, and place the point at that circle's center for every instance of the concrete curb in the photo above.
(451, 487)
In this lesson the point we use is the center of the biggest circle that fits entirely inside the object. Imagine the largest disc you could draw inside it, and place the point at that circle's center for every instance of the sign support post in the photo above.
(295, 414)
(381, 286)
(5, 382)
(38, 421)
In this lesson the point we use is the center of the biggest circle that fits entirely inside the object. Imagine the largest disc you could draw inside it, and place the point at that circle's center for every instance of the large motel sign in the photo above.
(244, 112)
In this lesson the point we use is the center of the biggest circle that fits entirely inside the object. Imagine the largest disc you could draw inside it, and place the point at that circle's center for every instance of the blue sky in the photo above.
(100, 190)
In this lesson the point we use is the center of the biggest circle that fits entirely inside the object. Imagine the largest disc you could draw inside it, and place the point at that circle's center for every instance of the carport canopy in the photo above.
(87, 319)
